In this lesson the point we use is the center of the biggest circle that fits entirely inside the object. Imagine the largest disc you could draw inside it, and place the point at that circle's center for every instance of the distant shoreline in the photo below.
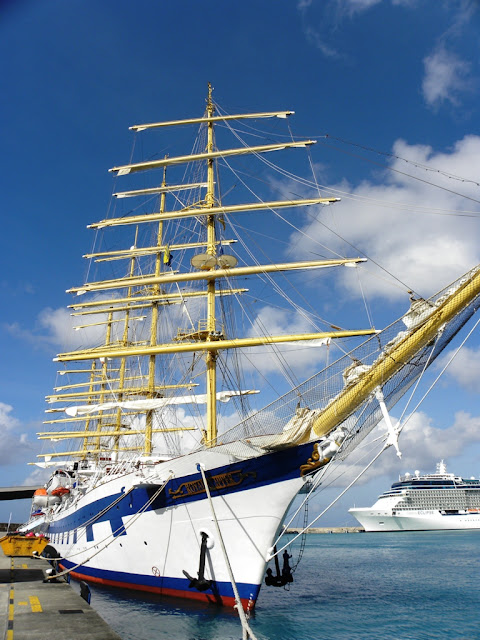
(293, 530)
(11, 527)
(327, 530)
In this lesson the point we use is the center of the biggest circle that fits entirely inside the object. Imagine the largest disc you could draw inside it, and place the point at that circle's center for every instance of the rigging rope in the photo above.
(317, 187)
(414, 163)
(335, 191)
(272, 555)
(398, 430)
(408, 175)
(454, 355)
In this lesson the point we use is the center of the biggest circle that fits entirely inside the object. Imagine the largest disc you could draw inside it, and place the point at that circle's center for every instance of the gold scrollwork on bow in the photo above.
(221, 481)
(314, 462)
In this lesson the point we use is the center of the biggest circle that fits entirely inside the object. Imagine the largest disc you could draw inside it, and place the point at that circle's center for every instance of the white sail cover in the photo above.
(149, 405)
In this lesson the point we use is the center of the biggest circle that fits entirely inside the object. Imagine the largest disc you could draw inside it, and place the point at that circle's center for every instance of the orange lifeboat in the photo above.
(40, 498)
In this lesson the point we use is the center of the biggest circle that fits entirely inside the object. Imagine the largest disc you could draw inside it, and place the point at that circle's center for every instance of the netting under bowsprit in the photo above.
(326, 389)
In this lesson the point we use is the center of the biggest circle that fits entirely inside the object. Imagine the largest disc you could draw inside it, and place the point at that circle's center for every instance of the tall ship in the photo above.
(425, 502)
(174, 452)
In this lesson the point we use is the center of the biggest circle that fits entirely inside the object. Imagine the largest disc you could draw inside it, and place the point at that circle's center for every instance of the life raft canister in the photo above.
(60, 491)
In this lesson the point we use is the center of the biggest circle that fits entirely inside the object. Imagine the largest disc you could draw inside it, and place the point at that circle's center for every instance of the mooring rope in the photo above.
(92, 520)
(246, 630)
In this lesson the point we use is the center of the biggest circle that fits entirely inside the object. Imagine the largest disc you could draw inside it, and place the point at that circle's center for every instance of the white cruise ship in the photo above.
(432, 501)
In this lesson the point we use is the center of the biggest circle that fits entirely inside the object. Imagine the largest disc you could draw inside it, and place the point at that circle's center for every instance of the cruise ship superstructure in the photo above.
(418, 502)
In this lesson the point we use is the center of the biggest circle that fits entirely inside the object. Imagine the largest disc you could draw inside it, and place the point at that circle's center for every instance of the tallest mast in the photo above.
(211, 250)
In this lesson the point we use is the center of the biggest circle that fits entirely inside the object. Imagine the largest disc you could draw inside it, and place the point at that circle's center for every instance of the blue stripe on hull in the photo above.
(256, 472)
(220, 591)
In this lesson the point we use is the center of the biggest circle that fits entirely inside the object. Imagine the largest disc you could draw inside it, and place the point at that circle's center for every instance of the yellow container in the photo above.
(15, 545)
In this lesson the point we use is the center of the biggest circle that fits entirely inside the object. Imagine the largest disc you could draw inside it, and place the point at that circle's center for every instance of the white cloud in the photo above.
(7, 422)
(321, 18)
(463, 12)
(58, 329)
(419, 238)
(303, 4)
(37, 477)
(445, 78)
(54, 328)
(59, 326)
(315, 38)
(357, 6)
(13, 443)
(277, 321)
(422, 446)
(351, 6)
(302, 357)
(464, 368)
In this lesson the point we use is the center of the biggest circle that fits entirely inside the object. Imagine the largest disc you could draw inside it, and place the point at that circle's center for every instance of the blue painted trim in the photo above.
(268, 469)
(219, 589)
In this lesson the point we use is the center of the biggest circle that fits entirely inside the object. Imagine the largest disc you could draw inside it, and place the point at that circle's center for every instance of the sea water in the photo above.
(355, 586)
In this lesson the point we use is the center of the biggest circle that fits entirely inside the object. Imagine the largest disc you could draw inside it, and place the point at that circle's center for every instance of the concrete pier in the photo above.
(31, 609)
(328, 530)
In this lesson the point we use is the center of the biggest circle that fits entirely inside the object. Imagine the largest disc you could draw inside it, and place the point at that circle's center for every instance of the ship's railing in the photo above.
(430, 476)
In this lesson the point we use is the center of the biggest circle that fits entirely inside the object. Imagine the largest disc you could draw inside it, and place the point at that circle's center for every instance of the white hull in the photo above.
(149, 550)
(415, 521)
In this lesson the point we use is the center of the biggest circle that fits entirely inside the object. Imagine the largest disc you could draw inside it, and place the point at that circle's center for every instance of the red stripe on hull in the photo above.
(225, 601)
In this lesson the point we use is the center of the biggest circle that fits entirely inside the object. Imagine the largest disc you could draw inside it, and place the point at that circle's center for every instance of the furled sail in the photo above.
(151, 405)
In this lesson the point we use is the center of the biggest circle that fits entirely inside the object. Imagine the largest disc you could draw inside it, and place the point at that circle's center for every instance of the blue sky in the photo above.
(400, 77)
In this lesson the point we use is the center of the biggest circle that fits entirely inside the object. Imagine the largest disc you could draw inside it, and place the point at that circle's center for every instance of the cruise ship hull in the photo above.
(415, 521)
(438, 501)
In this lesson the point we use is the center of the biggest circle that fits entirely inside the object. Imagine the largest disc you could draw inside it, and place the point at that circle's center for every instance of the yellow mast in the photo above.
(145, 301)
(211, 357)
(123, 362)
(103, 386)
(209, 155)
(141, 291)
(121, 254)
(87, 422)
(153, 327)
(263, 114)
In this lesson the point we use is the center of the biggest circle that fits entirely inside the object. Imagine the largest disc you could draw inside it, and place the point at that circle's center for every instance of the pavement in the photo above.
(31, 609)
